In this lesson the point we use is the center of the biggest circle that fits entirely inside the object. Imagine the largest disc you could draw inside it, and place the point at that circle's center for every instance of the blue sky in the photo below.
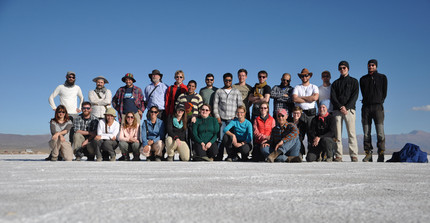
(43, 39)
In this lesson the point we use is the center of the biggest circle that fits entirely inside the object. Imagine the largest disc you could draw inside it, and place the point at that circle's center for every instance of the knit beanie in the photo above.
(374, 61)
(344, 63)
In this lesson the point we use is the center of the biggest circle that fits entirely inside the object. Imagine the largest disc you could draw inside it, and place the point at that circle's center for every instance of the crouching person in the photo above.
(238, 136)
(205, 134)
(107, 132)
(60, 127)
(322, 133)
(129, 138)
(85, 125)
(284, 143)
(177, 134)
(153, 136)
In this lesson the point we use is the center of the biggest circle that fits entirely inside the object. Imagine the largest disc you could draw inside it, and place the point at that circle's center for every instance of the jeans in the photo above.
(221, 146)
(290, 148)
(375, 112)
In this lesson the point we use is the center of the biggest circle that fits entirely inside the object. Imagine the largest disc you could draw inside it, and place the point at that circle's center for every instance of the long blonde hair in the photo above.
(133, 125)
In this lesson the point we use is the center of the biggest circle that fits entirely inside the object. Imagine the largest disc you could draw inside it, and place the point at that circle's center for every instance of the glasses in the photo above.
(86, 108)
(71, 77)
(342, 68)
(130, 116)
(261, 76)
(205, 110)
(304, 75)
(287, 80)
(264, 108)
(209, 79)
(280, 115)
(61, 112)
(153, 112)
(179, 77)
(228, 80)
(240, 112)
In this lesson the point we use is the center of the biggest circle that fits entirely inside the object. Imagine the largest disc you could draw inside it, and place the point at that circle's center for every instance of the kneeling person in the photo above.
(85, 125)
(238, 136)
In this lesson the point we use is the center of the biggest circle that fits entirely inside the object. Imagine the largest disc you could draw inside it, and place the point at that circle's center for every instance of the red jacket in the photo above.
(263, 129)
(171, 97)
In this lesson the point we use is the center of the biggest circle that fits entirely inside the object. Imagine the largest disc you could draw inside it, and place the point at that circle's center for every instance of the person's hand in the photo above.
(279, 145)
(140, 113)
(286, 95)
(78, 110)
(62, 138)
(55, 136)
(193, 120)
(146, 150)
(208, 145)
(113, 138)
(343, 110)
(264, 145)
(178, 142)
(98, 137)
(150, 142)
(234, 140)
(85, 143)
(219, 121)
(316, 141)
(203, 146)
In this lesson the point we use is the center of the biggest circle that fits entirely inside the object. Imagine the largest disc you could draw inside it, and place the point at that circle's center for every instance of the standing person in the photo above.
(208, 92)
(129, 138)
(343, 96)
(245, 89)
(155, 93)
(100, 98)
(260, 93)
(60, 127)
(322, 134)
(325, 89)
(174, 91)
(69, 93)
(191, 100)
(153, 136)
(106, 139)
(177, 135)
(239, 139)
(374, 90)
(263, 126)
(226, 102)
(85, 126)
(284, 144)
(205, 134)
(129, 98)
(283, 95)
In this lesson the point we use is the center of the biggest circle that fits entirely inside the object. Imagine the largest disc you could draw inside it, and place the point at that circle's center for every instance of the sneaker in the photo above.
(272, 156)
(158, 159)
(294, 159)
(354, 159)
(205, 158)
(112, 159)
(338, 159)
(229, 159)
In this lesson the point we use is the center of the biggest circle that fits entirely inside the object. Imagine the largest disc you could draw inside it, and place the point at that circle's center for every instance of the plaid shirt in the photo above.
(90, 125)
(225, 105)
(118, 100)
(287, 132)
(280, 101)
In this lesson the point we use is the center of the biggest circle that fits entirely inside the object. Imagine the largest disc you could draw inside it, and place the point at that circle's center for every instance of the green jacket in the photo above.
(205, 130)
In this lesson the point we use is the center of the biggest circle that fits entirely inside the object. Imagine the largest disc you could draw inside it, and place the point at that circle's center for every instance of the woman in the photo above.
(176, 134)
(299, 121)
(60, 127)
(129, 138)
(263, 126)
(107, 132)
(152, 136)
(205, 134)
(238, 140)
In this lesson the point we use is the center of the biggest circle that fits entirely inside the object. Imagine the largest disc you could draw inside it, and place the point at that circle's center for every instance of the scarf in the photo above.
(258, 87)
(177, 124)
(322, 117)
(102, 90)
(68, 85)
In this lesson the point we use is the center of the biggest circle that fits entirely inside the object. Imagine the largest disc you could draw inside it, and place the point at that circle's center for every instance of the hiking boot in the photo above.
(354, 159)
(54, 158)
(338, 159)
(294, 159)
(272, 156)
(112, 158)
(124, 157)
(381, 156)
(368, 157)
(170, 158)
(229, 159)
(99, 159)
(90, 158)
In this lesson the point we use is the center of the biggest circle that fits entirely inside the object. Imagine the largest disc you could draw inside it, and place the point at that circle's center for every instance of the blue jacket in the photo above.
(154, 132)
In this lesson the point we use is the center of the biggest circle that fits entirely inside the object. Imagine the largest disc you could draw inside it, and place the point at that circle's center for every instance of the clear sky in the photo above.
(40, 40)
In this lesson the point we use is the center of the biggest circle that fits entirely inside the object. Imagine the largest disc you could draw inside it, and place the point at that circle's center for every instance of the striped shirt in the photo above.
(192, 103)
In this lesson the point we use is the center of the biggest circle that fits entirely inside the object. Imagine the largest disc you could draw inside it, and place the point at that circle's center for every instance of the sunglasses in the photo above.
(280, 115)
(304, 75)
(61, 112)
(209, 79)
(179, 77)
(71, 77)
(342, 68)
(261, 76)
(264, 108)
(228, 80)
(130, 116)
(153, 112)
(287, 80)
(206, 110)
(325, 76)
(86, 108)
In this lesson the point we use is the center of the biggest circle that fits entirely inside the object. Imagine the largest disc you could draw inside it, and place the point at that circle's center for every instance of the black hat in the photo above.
(180, 106)
(157, 72)
(344, 63)
(374, 61)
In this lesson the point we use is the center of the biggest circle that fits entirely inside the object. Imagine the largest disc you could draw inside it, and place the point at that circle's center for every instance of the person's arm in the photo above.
(354, 95)
(93, 98)
(384, 87)
(123, 135)
(215, 108)
(249, 131)
(333, 96)
(107, 100)
(81, 100)
(257, 133)
(52, 96)
(115, 100)
(143, 134)
(196, 137)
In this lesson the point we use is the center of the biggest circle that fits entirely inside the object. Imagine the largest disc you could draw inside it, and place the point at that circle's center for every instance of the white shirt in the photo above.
(325, 95)
(309, 90)
(112, 130)
(68, 98)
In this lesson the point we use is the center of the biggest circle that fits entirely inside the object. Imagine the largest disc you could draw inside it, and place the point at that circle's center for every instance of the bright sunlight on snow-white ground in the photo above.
(33, 190)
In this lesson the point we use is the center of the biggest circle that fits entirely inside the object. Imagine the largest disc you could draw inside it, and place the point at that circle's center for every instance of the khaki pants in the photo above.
(78, 139)
(65, 148)
(183, 149)
(349, 119)
(156, 149)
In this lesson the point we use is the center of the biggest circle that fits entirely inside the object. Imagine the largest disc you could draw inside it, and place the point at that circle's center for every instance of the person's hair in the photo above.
(326, 72)
(209, 75)
(242, 70)
(241, 107)
(183, 119)
(61, 108)
(286, 74)
(207, 105)
(133, 125)
(180, 72)
(86, 103)
(263, 72)
(193, 81)
(298, 108)
(148, 113)
(227, 75)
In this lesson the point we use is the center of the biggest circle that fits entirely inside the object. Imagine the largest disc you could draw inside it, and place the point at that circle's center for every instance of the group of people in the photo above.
(203, 126)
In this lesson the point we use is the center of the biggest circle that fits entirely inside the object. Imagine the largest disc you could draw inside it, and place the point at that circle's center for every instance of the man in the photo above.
(226, 101)
(191, 100)
(100, 98)
(306, 94)
(325, 89)
(155, 93)
(85, 126)
(260, 93)
(283, 95)
(68, 92)
(208, 92)
(344, 94)
(174, 91)
(245, 89)
(284, 143)
(129, 98)
(374, 90)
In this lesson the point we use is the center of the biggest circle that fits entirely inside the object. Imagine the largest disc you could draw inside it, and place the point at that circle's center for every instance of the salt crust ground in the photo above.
(39, 191)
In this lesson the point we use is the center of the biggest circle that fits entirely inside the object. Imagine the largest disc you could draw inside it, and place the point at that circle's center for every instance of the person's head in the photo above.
(209, 80)
(192, 85)
(205, 110)
(281, 116)
(262, 76)
(242, 74)
(305, 76)
(179, 76)
(110, 115)
(130, 120)
(286, 79)
(325, 77)
(128, 79)
(86, 108)
(241, 112)
(228, 80)
(264, 109)
(372, 65)
(61, 113)
(343, 68)
(71, 77)
(180, 114)
(323, 109)
(100, 82)
(297, 113)
(152, 113)
(155, 76)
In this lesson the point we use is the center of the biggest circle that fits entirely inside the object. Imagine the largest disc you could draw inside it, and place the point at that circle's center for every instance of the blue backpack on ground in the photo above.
(410, 153)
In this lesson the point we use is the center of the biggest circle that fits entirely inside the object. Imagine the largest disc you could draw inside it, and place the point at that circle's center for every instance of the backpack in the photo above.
(410, 153)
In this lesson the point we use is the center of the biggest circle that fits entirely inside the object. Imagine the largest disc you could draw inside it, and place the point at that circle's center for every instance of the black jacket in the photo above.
(322, 128)
(373, 88)
(174, 132)
(344, 92)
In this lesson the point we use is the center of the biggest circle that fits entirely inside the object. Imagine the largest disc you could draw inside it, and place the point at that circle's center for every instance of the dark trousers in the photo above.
(105, 145)
(257, 156)
(232, 150)
(325, 146)
(211, 152)
(375, 113)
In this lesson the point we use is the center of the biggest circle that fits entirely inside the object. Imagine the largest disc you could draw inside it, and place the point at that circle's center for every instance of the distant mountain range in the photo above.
(11, 142)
